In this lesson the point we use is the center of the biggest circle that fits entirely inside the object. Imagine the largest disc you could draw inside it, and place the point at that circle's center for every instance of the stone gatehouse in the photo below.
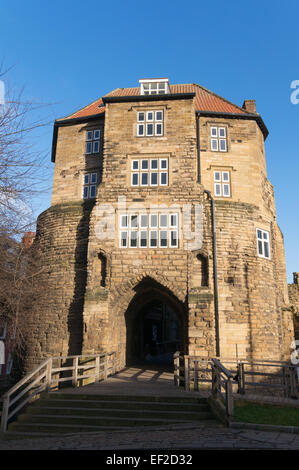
(162, 232)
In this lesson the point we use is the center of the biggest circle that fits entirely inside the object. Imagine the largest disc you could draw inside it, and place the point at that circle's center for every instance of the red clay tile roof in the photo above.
(205, 100)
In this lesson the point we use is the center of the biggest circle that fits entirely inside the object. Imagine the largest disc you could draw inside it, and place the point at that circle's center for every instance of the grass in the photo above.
(246, 412)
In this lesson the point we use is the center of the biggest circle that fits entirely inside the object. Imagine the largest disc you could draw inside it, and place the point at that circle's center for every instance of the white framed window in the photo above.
(263, 243)
(90, 181)
(150, 123)
(218, 139)
(154, 86)
(93, 138)
(149, 172)
(149, 230)
(222, 184)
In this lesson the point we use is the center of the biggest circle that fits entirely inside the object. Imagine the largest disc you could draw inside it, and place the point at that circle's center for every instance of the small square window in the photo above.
(141, 117)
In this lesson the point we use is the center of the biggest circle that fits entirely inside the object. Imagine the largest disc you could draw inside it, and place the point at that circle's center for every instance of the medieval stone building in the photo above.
(162, 232)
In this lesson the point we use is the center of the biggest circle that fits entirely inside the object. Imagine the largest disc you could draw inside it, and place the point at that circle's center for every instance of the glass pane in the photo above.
(134, 220)
(133, 239)
(154, 164)
(124, 221)
(135, 165)
(214, 131)
(154, 179)
(124, 239)
(259, 234)
(93, 191)
(226, 190)
(217, 176)
(93, 177)
(222, 132)
(146, 86)
(174, 238)
(96, 146)
(163, 164)
(153, 239)
(86, 179)
(163, 238)
(85, 192)
(266, 250)
(141, 117)
(260, 247)
(173, 220)
(96, 134)
(225, 176)
(140, 129)
(163, 179)
(265, 235)
(143, 220)
(150, 129)
(154, 220)
(144, 179)
(135, 179)
(163, 220)
(88, 147)
(159, 115)
(143, 238)
(217, 189)
(214, 144)
(159, 130)
(150, 116)
(89, 135)
(144, 165)
(222, 143)
(161, 86)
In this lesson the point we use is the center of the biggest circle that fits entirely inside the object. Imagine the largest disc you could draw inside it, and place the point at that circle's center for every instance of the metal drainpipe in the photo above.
(216, 304)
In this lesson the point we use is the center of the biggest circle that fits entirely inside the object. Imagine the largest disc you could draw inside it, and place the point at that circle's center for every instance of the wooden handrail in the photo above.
(36, 381)
(223, 369)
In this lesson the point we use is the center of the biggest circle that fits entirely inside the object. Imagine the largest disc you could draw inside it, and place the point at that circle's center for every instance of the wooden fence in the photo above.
(78, 370)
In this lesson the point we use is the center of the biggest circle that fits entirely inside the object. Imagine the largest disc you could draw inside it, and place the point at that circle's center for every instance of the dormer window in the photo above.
(154, 86)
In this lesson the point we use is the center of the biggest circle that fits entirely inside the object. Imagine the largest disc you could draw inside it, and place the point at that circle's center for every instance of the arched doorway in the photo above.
(155, 326)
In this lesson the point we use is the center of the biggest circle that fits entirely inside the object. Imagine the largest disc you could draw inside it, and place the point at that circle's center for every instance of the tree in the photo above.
(21, 169)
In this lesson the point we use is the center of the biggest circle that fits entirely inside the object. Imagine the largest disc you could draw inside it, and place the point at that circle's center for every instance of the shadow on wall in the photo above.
(75, 314)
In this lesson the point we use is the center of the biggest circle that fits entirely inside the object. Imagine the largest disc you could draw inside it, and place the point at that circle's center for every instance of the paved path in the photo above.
(197, 437)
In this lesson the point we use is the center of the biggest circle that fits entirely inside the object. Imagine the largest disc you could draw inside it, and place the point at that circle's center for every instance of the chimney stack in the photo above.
(250, 106)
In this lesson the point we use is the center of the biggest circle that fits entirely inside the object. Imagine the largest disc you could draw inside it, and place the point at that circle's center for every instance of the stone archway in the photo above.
(155, 324)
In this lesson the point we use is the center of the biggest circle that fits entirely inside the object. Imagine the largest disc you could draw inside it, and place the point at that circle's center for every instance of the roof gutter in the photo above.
(125, 99)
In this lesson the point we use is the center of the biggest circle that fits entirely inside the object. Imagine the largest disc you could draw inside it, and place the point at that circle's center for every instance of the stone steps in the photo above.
(56, 413)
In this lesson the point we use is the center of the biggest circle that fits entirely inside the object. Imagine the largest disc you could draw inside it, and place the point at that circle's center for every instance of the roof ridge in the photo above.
(223, 99)
(78, 110)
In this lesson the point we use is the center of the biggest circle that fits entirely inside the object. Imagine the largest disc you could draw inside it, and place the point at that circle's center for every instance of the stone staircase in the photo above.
(55, 413)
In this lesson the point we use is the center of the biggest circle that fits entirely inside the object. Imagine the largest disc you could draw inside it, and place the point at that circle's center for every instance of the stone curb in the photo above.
(265, 427)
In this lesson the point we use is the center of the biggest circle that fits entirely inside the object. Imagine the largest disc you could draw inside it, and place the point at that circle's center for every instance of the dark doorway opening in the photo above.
(155, 329)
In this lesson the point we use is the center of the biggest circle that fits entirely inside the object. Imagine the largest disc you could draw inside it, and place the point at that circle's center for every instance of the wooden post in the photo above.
(187, 378)
(195, 375)
(105, 367)
(49, 375)
(97, 367)
(241, 378)
(75, 371)
(229, 401)
(293, 385)
(176, 367)
(4, 415)
(214, 381)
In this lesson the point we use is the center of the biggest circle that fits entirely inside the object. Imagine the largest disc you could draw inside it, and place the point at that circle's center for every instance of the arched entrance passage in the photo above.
(155, 325)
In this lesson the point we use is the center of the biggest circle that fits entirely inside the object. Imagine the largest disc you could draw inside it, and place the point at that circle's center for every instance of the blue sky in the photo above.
(68, 53)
